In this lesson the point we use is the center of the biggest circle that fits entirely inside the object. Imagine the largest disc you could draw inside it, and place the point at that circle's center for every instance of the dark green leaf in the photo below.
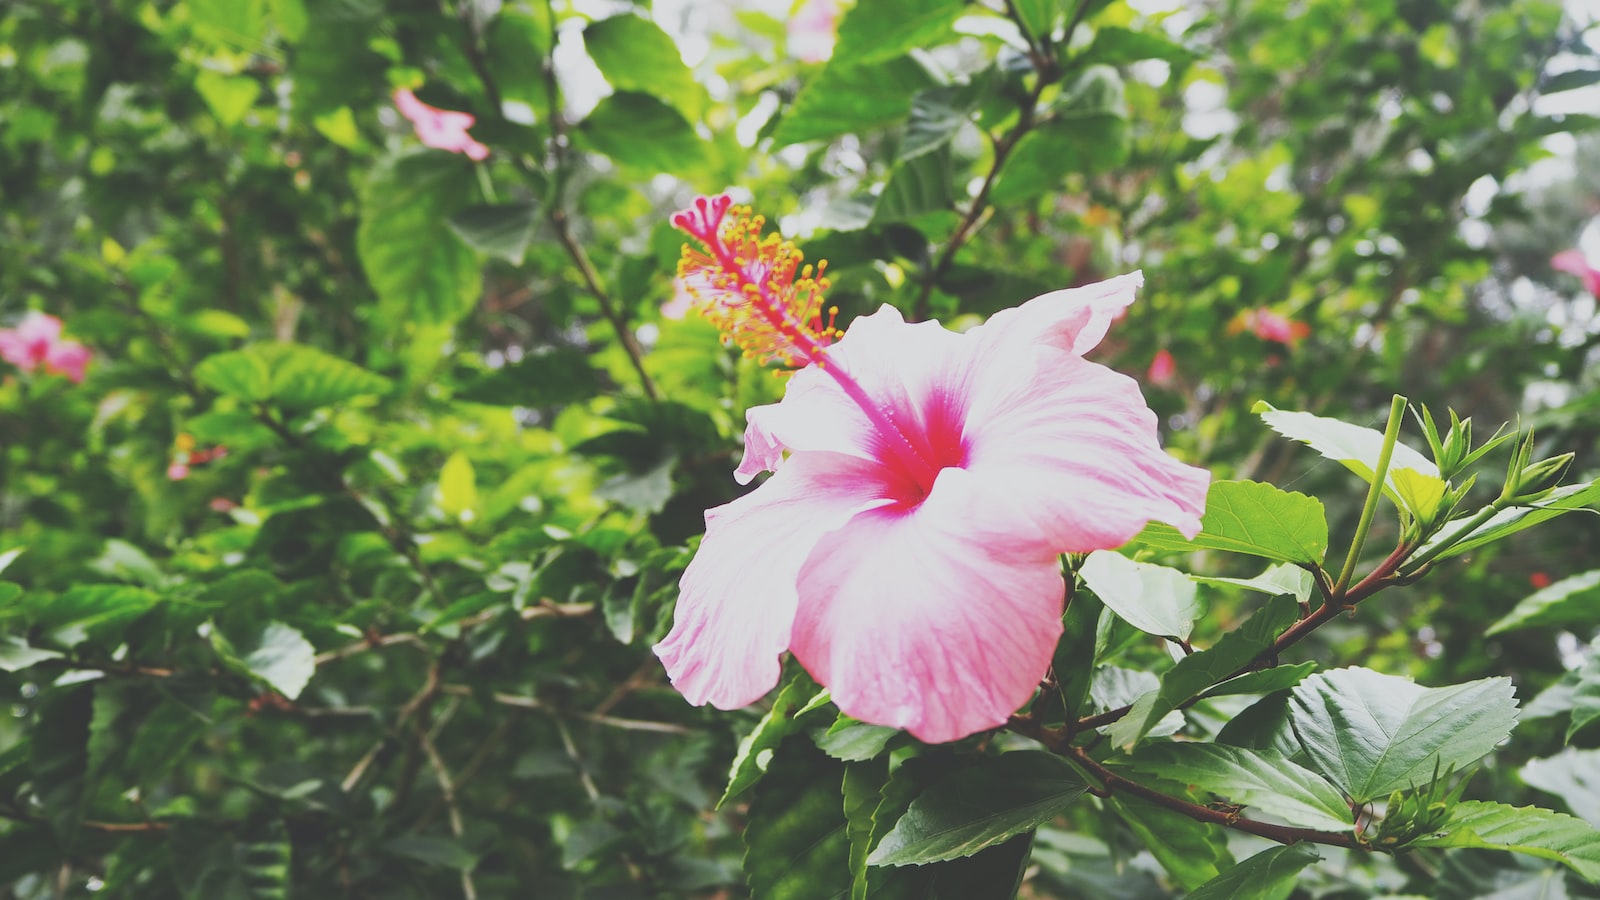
(757, 748)
(1253, 778)
(60, 756)
(1251, 517)
(432, 851)
(502, 231)
(879, 31)
(1264, 725)
(1586, 695)
(1192, 852)
(936, 115)
(916, 186)
(1119, 46)
(1200, 670)
(634, 54)
(1269, 875)
(93, 611)
(1569, 80)
(796, 844)
(1373, 734)
(1264, 681)
(549, 378)
(853, 741)
(1537, 832)
(421, 272)
(1039, 18)
(1570, 601)
(863, 790)
(845, 98)
(980, 806)
(638, 130)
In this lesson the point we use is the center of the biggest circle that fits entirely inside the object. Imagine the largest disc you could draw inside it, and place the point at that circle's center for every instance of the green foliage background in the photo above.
(395, 641)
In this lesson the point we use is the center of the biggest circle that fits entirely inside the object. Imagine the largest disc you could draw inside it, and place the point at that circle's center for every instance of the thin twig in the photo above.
(520, 702)
(447, 791)
(385, 746)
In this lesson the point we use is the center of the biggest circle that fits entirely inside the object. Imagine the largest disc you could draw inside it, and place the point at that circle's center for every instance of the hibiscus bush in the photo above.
(908, 448)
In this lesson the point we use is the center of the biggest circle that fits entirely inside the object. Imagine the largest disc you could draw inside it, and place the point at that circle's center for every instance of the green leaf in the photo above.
(634, 54)
(1513, 519)
(1574, 776)
(853, 741)
(59, 756)
(1192, 852)
(1357, 449)
(1282, 578)
(796, 843)
(229, 96)
(980, 806)
(879, 31)
(458, 487)
(294, 376)
(1586, 696)
(432, 851)
(1373, 734)
(1039, 18)
(1083, 132)
(1251, 517)
(502, 230)
(1264, 681)
(1154, 599)
(555, 376)
(234, 23)
(1570, 601)
(916, 186)
(209, 864)
(846, 99)
(1200, 670)
(758, 747)
(1569, 80)
(937, 114)
(640, 131)
(93, 611)
(863, 789)
(16, 655)
(1256, 778)
(1537, 832)
(1269, 875)
(282, 658)
(421, 272)
(1119, 46)
(646, 492)
(1264, 725)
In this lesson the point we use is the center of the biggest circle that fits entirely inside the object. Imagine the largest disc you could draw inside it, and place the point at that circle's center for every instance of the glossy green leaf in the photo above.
(1572, 775)
(1537, 832)
(872, 33)
(853, 741)
(1513, 519)
(93, 611)
(756, 749)
(1200, 670)
(1193, 853)
(1254, 518)
(1357, 449)
(1373, 734)
(634, 54)
(1264, 725)
(1282, 578)
(282, 658)
(845, 99)
(16, 654)
(1570, 601)
(638, 130)
(1154, 599)
(501, 230)
(1264, 681)
(937, 114)
(421, 272)
(1259, 779)
(980, 806)
(1269, 875)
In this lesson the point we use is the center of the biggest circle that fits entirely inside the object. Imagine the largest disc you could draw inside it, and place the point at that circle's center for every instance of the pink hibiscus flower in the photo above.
(1275, 326)
(441, 129)
(906, 548)
(812, 30)
(1574, 262)
(1163, 368)
(36, 341)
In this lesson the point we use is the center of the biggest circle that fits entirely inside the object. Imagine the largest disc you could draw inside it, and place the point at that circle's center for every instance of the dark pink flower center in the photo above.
(917, 451)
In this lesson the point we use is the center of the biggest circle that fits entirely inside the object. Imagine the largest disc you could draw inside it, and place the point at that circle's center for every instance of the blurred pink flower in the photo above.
(177, 471)
(812, 30)
(680, 304)
(441, 129)
(1275, 326)
(222, 504)
(1573, 262)
(1163, 368)
(1540, 580)
(906, 548)
(37, 341)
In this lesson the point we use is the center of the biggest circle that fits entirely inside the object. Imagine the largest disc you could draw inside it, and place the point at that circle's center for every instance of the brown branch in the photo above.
(447, 791)
(385, 747)
(520, 702)
(145, 827)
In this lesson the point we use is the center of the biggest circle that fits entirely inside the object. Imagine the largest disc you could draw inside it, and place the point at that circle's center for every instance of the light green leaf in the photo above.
(980, 806)
(1115, 46)
(1570, 601)
(1251, 517)
(846, 99)
(638, 130)
(853, 741)
(1282, 578)
(297, 377)
(1154, 599)
(1256, 778)
(1357, 449)
(936, 115)
(92, 610)
(1200, 670)
(421, 272)
(229, 96)
(282, 658)
(16, 655)
(1373, 734)
(634, 54)
(236, 374)
(756, 749)
(1264, 681)
(1083, 132)
(1537, 832)
(879, 31)
(1574, 776)
(1513, 519)
(458, 487)
(502, 230)
(1039, 18)
(1269, 875)
(234, 23)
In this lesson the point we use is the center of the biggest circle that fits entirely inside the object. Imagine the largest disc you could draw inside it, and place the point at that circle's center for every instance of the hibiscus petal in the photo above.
(1075, 320)
(737, 598)
(933, 618)
(67, 358)
(1070, 446)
